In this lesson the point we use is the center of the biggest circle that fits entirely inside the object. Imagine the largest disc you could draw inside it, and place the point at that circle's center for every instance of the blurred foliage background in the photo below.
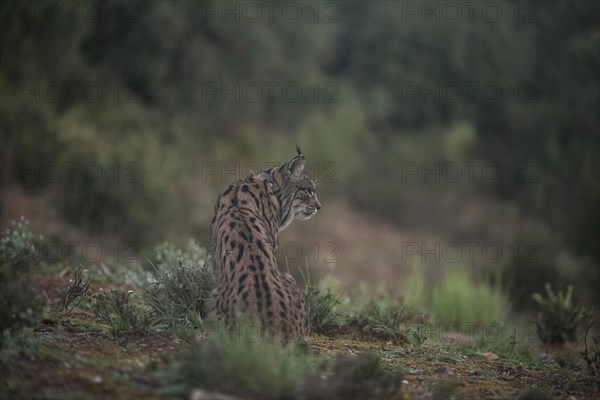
(172, 100)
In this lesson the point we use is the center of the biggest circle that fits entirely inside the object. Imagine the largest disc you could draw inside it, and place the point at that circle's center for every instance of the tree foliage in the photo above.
(396, 76)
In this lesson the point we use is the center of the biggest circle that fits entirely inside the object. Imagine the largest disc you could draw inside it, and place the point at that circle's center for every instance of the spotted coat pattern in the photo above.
(244, 231)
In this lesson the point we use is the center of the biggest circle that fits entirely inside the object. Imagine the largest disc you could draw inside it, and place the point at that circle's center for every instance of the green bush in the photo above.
(22, 124)
(175, 298)
(458, 299)
(380, 318)
(117, 189)
(559, 318)
(183, 283)
(535, 250)
(321, 304)
(19, 302)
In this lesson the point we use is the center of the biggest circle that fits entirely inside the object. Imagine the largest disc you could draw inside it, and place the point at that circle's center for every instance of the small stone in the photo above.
(488, 355)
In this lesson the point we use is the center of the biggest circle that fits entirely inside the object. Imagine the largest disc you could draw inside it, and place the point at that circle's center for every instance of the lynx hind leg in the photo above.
(296, 326)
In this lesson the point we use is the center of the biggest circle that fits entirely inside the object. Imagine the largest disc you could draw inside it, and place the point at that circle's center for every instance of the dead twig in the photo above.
(75, 292)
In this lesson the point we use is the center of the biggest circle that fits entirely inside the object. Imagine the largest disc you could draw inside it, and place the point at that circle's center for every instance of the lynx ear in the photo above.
(296, 165)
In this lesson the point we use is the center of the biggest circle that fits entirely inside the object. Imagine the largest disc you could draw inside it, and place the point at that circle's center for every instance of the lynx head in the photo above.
(294, 190)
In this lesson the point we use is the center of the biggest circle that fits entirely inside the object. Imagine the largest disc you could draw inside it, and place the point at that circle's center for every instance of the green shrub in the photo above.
(23, 123)
(559, 318)
(321, 304)
(183, 284)
(380, 318)
(115, 189)
(534, 260)
(459, 300)
(175, 298)
(19, 302)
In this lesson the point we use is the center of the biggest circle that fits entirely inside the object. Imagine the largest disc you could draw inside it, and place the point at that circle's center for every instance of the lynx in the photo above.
(249, 215)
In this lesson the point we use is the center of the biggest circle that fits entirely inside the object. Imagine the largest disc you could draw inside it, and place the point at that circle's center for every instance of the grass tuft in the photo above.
(459, 300)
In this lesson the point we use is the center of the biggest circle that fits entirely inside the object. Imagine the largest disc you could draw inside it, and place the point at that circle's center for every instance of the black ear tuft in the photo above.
(299, 150)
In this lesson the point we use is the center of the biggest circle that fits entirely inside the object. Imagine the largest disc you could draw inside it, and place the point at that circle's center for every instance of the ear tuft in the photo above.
(295, 167)
(299, 150)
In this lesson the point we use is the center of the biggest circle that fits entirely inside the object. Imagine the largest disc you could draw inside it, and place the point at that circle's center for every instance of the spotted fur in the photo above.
(249, 215)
